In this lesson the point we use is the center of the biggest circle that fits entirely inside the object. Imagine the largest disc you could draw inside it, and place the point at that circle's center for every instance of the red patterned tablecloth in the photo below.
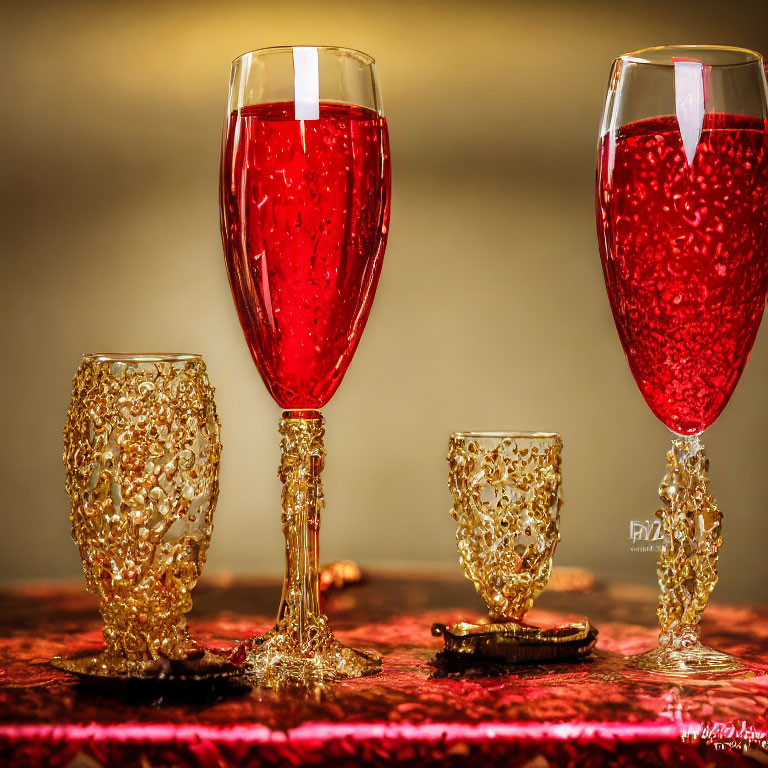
(415, 713)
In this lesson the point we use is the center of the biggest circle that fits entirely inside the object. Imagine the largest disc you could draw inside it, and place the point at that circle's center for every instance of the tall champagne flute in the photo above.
(305, 190)
(682, 220)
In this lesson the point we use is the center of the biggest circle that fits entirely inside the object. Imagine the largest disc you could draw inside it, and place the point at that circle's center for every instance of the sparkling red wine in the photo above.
(685, 256)
(305, 212)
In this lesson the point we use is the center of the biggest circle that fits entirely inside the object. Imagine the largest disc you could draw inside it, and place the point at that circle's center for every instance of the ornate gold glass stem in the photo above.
(301, 649)
(303, 458)
(691, 523)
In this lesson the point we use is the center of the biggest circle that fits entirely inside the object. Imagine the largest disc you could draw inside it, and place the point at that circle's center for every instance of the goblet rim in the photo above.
(142, 357)
(641, 55)
(366, 58)
(500, 435)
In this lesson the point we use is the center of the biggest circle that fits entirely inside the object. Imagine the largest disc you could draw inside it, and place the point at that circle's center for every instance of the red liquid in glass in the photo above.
(685, 256)
(305, 211)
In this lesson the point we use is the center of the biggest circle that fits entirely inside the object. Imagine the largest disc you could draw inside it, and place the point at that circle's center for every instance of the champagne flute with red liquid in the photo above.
(305, 190)
(682, 221)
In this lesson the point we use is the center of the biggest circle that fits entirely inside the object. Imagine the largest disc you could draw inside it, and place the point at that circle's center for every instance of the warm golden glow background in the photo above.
(491, 311)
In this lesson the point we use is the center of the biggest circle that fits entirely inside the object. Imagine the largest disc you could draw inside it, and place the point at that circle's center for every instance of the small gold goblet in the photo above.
(141, 449)
(506, 503)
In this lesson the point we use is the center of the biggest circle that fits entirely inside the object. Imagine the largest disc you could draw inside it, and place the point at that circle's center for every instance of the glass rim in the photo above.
(500, 435)
(750, 56)
(142, 357)
(354, 52)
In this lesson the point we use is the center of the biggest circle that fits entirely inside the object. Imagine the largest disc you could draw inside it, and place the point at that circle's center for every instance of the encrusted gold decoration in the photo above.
(515, 643)
(691, 524)
(141, 449)
(506, 501)
(687, 568)
(301, 649)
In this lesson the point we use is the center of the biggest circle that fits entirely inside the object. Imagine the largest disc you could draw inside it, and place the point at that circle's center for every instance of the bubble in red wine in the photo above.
(305, 206)
(685, 256)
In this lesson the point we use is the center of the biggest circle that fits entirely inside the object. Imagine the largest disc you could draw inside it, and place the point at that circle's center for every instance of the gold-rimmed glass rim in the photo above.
(365, 58)
(502, 435)
(654, 56)
(142, 357)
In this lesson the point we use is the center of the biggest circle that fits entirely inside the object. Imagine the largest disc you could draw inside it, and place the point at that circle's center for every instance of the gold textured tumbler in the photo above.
(506, 503)
(141, 449)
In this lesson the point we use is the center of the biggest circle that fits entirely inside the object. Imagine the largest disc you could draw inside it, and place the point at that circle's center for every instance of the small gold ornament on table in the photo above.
(141, 449)
(506, 503)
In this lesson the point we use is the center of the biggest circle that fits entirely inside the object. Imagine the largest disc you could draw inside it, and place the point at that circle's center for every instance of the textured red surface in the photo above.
(685, 255)
(416, 712)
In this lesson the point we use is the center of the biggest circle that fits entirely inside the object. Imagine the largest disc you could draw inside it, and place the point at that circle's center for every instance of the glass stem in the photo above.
(303, 456)
(691, 523)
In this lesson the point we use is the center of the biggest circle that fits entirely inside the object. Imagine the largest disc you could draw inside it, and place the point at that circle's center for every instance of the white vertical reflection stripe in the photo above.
(689, 104)
(306, 84)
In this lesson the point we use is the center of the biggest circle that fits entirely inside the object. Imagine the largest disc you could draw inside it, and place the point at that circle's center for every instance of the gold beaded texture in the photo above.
(141, 449)
(506, 503)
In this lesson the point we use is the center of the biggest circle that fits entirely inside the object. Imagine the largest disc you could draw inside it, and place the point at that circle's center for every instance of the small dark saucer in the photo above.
(204, 673)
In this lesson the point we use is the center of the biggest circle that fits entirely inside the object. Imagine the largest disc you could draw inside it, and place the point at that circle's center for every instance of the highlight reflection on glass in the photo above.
(682, 183)
(305, 189)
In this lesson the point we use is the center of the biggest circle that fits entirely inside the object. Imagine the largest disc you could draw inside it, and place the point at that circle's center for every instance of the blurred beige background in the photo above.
(491, 311)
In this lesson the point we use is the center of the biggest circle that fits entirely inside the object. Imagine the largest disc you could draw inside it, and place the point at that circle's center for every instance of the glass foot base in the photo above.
(197, 670)
(285, 657)
(691, 662)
